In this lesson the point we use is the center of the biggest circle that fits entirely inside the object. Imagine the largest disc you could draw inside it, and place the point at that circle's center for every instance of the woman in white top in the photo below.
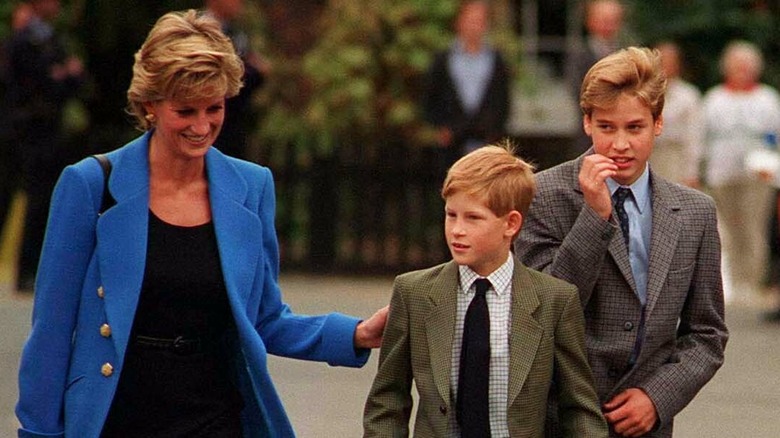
(741, 115)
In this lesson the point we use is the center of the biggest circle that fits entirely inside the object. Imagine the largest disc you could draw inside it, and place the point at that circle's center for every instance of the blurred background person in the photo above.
(9, 164)
(604, 34)
(41, 78)
(677, 151)
(740, 114)
(467, 93)
(240, 117)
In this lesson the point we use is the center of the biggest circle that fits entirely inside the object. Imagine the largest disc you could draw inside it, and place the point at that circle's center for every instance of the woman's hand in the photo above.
(368, 333)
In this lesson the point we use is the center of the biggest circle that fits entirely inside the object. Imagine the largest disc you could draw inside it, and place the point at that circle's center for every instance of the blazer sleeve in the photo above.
(325, 338)
(579, 413)
(389, 404)
(65, 257)
(701, 333)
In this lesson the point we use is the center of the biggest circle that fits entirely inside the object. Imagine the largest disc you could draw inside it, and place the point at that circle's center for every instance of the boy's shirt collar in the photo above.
(500, 279)
(640, 189)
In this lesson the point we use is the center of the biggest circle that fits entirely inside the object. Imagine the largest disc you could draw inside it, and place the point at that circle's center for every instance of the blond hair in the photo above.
(506, 181)
(635, 71)
(186, 56)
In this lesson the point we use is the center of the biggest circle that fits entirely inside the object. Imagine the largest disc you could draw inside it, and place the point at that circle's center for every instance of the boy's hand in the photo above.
(368, 333)
(631, 413)
(595, 170)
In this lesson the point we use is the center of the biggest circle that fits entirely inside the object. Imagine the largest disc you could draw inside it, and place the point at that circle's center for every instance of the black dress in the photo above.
(177, 375)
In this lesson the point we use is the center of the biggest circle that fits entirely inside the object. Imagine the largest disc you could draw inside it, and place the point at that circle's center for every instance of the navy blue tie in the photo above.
(620, 198)
(472, 406)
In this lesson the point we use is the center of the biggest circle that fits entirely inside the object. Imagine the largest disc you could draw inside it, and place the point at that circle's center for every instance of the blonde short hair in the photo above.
(186, 56)
(635, 71)
(742, 54)
(506, 181)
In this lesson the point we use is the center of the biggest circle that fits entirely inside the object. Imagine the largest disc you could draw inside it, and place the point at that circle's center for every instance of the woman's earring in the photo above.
(151, 118)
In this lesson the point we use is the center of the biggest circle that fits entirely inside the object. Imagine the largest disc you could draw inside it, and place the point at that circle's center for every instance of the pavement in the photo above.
(322, 401)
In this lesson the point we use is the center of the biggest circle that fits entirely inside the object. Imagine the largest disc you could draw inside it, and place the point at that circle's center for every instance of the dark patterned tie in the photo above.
(472, 403)
(620, 198)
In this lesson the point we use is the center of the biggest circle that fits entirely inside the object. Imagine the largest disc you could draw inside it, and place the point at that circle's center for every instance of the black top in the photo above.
(165, 391)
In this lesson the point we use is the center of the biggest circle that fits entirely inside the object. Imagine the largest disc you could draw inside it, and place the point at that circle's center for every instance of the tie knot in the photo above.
(621, 194)
(482, 284)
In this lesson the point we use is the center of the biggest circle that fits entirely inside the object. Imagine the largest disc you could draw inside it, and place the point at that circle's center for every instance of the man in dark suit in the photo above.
(467, 97)
(647, 265)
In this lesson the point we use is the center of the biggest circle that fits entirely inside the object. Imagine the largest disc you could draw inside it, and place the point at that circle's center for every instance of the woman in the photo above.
(740, 115)
(155, 317)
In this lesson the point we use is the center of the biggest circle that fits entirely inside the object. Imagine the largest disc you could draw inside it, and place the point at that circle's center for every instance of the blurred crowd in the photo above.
(722, 140)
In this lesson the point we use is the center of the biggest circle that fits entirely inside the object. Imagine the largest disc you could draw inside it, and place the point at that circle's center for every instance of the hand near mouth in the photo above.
(596, 168)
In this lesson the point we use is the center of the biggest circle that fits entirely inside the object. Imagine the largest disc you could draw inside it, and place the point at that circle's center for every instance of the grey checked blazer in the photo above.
(546, 342)
(685, 331)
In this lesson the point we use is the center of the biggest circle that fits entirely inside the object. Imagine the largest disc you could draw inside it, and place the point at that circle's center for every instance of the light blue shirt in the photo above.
(471, 73)
(640, 225)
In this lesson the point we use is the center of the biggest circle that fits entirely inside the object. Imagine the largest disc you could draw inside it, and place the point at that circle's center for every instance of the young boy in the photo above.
(530, 335)
(647, 265)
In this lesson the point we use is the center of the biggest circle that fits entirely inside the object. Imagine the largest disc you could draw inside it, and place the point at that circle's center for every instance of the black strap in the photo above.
(107, 200)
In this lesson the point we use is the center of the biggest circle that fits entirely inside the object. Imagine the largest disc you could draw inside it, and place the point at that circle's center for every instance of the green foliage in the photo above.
(704, 27)
(361, 81)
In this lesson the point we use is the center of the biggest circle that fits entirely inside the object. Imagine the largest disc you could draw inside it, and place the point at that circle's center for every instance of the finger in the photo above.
(623, 426)
(616, 401)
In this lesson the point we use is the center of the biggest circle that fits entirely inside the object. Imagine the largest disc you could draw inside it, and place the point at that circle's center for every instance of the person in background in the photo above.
(643, 252)
(532, 331)
(239, 115)
(604, 22)
(467, 92)
(155, 316)
(741, 115)
(41, 78)
(677, 151)
(9, 161)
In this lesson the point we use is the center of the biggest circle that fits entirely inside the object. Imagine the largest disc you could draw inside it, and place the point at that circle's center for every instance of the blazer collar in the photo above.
(667, 225)
(440, 326)
(525, 337)
(130, 172)
(122, 232)
(526, 334)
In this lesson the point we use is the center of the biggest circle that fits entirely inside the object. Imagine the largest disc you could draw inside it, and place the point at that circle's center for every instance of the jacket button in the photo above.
(105, 330)
(612, 372)
(101, 292)
(628, 326)
(107, 369)
(443, 409)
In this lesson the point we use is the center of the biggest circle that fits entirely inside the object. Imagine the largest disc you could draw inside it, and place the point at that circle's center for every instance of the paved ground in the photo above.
(323, 401)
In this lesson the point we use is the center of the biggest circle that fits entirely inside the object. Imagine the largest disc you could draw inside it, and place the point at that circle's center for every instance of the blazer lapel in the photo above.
(121, 238)
(663, 240)
(619, 253)
(617, 247)
(526, 333)
(238, 230)
(440, 326)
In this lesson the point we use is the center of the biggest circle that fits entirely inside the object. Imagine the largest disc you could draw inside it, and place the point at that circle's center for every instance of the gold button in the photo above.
(101, 293)
(105, 330)
(107, 369)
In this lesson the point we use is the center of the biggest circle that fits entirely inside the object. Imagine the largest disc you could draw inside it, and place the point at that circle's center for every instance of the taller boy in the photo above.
(651, 285)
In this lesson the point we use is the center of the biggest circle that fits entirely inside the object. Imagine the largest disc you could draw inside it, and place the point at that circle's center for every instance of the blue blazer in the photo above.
(90, 278)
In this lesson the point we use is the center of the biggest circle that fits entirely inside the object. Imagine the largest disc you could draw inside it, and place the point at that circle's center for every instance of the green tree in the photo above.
(361, 80)
(704, 27)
